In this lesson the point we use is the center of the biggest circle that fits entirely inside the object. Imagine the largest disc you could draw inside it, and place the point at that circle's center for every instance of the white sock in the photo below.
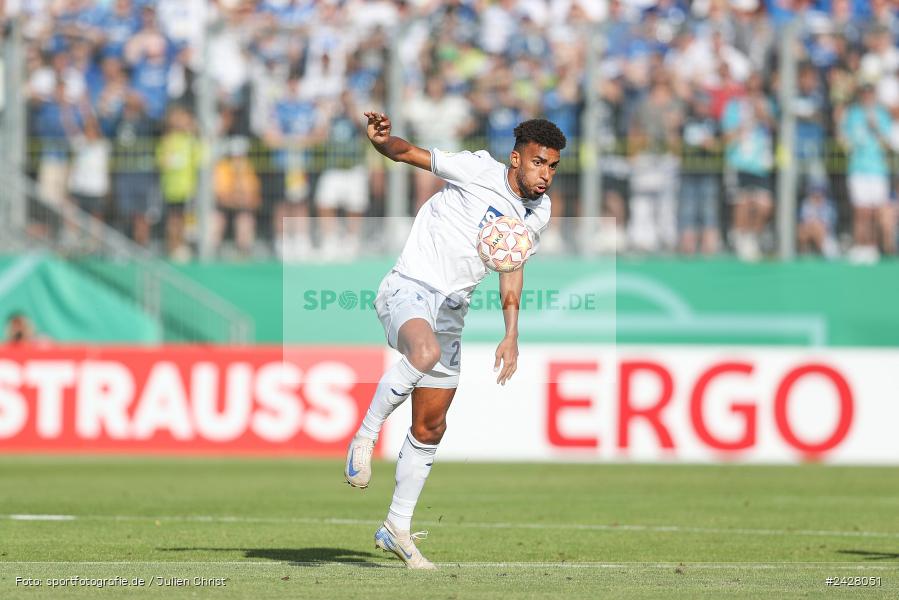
(412, 471)
(393, 389)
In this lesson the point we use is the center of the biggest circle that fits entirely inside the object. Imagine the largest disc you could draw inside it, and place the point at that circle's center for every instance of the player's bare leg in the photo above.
(429, 408)
(421, 352)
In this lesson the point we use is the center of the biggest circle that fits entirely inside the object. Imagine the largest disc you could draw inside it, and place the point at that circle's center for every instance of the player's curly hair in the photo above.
(542, 132)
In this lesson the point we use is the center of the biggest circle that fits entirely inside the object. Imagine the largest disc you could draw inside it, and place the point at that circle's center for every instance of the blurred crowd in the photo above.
(689, 95)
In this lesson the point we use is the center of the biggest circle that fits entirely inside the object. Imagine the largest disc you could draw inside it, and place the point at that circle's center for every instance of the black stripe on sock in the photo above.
(418, 445)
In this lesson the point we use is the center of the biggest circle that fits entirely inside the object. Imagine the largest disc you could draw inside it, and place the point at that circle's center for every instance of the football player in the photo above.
(423, 300)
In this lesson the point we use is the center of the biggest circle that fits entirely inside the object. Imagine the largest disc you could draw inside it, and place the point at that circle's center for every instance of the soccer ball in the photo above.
(505, 244)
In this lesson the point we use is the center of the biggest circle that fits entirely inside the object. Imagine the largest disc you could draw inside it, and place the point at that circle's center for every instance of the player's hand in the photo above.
(507, 358)
(378, 128)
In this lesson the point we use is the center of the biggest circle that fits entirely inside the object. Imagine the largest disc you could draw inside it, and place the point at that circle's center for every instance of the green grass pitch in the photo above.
(293, 529)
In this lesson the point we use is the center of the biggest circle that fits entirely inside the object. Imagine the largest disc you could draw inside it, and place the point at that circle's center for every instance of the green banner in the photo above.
(67, 306)
(807, 303)
(651, 301)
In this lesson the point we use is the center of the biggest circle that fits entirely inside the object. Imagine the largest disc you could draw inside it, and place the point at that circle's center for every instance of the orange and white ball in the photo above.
(505, 244)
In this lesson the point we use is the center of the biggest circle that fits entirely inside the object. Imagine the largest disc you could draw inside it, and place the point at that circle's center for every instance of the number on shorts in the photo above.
(454, 361)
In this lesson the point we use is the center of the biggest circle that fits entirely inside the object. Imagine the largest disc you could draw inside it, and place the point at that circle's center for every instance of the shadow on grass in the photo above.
(872, 554)
(300, 557)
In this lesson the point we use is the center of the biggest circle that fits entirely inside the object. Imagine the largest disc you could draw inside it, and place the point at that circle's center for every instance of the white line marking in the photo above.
(41, 517)
(474, 564)
(469, 525)
(891, 500)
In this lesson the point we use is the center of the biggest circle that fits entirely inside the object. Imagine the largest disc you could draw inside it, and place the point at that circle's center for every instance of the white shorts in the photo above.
(400, 299)
(869, 191)
(53, 176)
(347, 188)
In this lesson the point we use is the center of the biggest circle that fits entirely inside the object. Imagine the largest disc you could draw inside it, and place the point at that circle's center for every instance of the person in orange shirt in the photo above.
(238, 196)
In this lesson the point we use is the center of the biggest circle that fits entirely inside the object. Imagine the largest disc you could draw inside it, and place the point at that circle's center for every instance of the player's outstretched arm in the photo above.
(395, 148)
(510, 287)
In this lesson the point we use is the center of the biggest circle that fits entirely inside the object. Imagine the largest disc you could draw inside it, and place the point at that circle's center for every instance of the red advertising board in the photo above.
(185, 399)
(566, 402)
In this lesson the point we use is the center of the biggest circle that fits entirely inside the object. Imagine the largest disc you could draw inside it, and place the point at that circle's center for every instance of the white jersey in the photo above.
(441, 250)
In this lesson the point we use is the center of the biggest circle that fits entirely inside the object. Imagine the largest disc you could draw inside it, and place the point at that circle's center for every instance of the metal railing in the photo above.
(584, 167)
(187, 311)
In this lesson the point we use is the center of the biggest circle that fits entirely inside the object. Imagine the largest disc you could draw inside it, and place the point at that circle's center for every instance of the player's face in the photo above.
(535, 166)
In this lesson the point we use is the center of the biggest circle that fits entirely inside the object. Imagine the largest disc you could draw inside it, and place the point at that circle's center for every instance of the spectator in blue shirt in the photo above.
(85, 67)
(135, 180)
(748, 124)
(119, 25)
(699, 189)
(344, 182)
(149, 54)
(53, 118)
(80, 19)
(809, 106)
(505, 114)
(865, 131)
(110, 98)
(292, 13)
(294, 126)
(817, 222)
(561, 105)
